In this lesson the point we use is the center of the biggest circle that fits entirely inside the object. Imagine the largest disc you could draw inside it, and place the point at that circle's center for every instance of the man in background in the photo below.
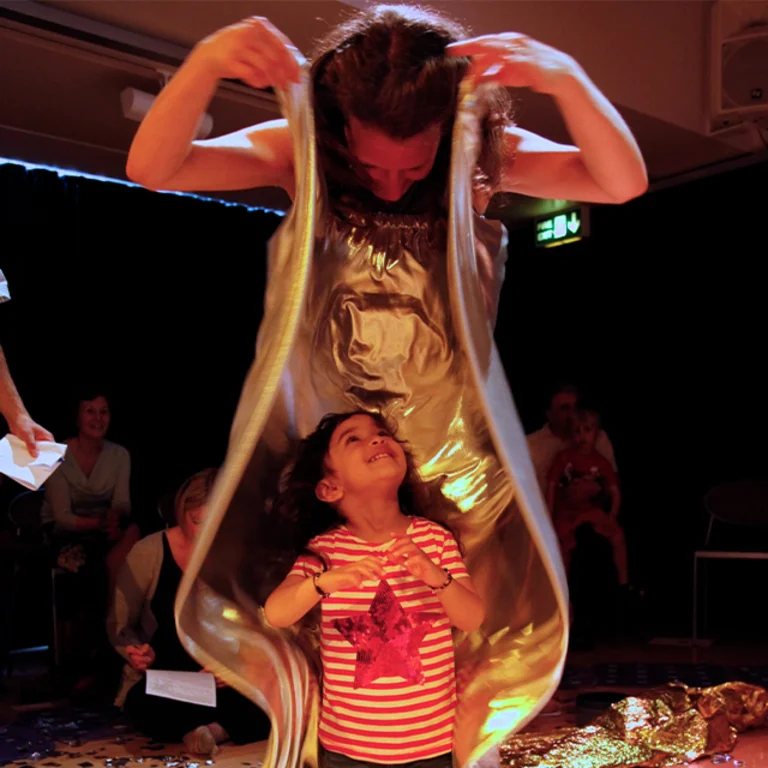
(555, 435)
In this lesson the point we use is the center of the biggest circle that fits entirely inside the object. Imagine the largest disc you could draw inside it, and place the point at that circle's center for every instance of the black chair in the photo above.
(740, 506)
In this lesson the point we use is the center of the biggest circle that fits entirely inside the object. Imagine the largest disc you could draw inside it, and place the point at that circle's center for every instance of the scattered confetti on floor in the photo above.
(81, 738)
(71, 738)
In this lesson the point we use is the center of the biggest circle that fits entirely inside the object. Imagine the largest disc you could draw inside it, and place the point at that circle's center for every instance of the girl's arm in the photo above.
(462, 604)
(297, 595)
(459, 598)
(292, 600)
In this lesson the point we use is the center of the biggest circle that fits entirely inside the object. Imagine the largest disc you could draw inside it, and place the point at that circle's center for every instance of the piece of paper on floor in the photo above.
(190, 687)
(17, 463)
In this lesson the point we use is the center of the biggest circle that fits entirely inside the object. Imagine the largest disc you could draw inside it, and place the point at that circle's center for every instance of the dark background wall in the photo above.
(659, 315)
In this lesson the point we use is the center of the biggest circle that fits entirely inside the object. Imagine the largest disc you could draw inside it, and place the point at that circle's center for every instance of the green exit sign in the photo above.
(562, 227)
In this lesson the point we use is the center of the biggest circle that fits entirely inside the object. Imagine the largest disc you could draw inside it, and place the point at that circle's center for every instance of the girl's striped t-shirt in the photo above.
(389, 688)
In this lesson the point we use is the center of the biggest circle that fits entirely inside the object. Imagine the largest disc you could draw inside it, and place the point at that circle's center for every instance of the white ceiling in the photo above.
(650, 57)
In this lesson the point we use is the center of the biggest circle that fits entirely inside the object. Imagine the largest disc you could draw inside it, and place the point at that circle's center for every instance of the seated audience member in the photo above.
(555, 435)
(87, 504)
(583, 489)
(142, 629)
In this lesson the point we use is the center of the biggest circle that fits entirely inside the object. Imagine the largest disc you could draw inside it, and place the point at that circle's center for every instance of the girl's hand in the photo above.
(404, 552)
(252, 50)
(516, 61)
(352, 575)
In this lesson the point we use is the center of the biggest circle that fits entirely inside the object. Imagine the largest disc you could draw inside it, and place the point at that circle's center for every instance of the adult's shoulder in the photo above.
(117, 450)
(144, 550)
(537, 435)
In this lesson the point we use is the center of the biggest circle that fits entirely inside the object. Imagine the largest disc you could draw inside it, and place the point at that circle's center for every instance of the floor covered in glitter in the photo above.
(81, 738)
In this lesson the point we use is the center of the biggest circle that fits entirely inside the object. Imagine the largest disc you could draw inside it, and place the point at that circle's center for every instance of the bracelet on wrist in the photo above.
(318, 588)
(448, 580)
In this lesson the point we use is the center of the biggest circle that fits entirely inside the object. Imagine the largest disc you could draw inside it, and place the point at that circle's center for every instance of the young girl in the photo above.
(390, 584)
(580, 484)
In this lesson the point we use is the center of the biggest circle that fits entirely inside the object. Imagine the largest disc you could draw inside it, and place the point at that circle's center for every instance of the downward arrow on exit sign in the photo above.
(565, 226)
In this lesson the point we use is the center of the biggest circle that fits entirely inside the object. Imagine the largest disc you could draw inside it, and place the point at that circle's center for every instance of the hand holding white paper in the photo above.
(17, 463)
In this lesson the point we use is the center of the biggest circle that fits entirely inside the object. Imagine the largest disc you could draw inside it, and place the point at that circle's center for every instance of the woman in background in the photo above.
(87, 500)
(87, 518)
(142, 629)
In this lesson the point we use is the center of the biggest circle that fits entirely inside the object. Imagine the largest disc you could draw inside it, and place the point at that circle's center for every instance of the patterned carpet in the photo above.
(649, 675)
(73, 738)
(80, 738)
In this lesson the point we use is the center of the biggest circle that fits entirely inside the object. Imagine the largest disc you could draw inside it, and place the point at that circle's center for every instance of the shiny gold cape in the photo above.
(506, 671)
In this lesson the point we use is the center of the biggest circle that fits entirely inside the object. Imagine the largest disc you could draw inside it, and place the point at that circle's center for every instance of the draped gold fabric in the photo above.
(665, 727)
(390, 312)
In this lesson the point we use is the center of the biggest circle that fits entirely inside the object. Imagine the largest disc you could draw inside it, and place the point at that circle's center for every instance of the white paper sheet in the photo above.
(191, 687)
(5, 294)
(17, 463)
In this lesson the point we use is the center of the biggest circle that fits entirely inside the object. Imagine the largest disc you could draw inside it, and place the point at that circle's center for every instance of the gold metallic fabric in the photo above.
(391, 312)
(666, 727)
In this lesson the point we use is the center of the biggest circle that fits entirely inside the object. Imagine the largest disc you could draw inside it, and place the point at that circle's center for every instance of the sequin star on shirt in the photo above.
(386, 639)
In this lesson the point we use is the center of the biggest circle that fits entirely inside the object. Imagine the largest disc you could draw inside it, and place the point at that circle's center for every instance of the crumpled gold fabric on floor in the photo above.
(666, 727)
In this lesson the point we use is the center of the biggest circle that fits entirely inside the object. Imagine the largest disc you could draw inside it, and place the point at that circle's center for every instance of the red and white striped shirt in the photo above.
(391, 697)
